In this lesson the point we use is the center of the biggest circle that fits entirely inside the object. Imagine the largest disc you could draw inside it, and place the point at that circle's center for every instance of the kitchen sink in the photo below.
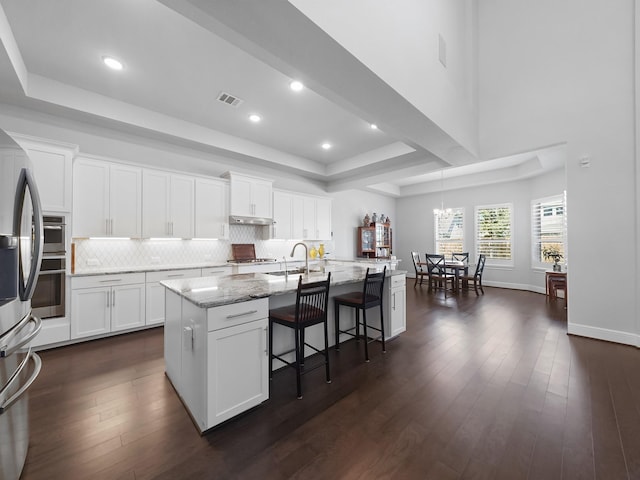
(282, 273)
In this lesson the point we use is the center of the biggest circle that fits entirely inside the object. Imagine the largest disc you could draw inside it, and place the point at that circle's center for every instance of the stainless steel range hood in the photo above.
(237, 220)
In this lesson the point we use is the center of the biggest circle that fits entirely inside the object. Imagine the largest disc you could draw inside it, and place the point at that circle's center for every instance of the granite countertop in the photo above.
(210, 292)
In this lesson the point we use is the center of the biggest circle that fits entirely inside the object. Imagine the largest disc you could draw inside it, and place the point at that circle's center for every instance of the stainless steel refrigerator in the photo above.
(20, 257)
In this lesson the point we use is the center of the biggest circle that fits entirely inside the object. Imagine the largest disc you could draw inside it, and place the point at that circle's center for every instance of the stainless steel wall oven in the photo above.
(48, 299)
(54, 235)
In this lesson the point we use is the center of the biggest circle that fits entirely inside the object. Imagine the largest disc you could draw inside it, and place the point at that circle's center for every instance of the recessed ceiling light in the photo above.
(113, 63)
(296, 86)
(255, 118)
(326, 145)
(374, 126)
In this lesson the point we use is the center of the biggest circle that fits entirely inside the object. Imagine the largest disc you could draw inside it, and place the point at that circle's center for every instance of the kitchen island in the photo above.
(216, 334)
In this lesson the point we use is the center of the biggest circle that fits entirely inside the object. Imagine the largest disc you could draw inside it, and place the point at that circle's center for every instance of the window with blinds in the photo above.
(493, 232)
(449, 231)
(548, 229)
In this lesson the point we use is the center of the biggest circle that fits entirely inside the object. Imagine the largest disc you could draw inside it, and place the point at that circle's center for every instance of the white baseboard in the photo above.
(604, 334)
(511, 286)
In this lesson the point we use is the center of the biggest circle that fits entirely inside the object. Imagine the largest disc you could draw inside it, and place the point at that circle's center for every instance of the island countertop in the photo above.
(207, 292)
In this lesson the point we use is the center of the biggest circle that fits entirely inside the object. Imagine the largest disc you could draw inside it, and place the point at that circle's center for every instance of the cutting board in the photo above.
(243, 251)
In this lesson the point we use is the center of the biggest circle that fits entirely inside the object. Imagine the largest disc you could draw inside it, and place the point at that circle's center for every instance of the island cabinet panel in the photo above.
(217, 358)
(173, 339)
(238, 376)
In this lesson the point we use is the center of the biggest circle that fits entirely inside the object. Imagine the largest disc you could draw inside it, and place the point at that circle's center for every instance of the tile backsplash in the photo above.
(99, 254)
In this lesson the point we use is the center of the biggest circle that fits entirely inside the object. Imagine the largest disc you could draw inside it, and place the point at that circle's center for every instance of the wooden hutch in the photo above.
(375, 241)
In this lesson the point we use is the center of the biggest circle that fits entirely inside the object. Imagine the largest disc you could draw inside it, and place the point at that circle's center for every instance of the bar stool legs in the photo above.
(370, 296)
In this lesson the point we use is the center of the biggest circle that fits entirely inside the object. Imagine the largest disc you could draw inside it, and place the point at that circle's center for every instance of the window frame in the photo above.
(559, 202)
(496, 262)
(436, 242)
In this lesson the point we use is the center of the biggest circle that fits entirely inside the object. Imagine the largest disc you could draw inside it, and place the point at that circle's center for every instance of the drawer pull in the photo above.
(114, 280)
(175, 275)
(236, 315)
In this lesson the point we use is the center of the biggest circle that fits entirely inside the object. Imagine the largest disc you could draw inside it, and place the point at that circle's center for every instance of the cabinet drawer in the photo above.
(213, 271)
(237, 313)
(92, 281)
(172, 274)
(398, 280)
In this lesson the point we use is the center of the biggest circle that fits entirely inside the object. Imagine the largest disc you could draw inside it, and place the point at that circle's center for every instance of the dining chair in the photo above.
(438, 274)
(310, 309)
(460, 257)
(370, 296)
(476, 278)
(420, 273)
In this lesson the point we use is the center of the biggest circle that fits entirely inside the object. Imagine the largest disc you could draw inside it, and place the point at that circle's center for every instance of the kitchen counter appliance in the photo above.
(21, 246)
(246, 253)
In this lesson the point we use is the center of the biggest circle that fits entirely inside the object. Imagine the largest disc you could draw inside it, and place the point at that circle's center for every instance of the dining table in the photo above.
(455, 266)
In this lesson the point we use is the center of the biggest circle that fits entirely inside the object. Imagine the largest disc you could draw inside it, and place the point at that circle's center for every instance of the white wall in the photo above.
(415, 221)
(349, 208)
(399, 42)
(553, 72)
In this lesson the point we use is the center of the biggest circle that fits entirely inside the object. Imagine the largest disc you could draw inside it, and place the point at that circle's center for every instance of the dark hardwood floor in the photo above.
(477, 387)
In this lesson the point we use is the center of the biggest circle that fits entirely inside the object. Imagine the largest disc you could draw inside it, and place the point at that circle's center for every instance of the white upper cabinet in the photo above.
(317, 218)
(323, 218)
(211, 209)
(282, 215)
(52, 168)
(299, 216)
(106, 199)
(250, 196)
(167, 205)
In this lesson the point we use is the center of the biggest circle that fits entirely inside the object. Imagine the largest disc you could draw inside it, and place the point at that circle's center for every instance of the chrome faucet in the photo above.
(306, 255)
(286, 268)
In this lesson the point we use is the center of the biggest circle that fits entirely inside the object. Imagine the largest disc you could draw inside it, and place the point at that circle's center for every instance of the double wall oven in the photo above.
(48, 299)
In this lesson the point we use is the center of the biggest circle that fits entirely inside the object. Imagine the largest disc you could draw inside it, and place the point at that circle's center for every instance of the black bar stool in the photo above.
(370, 296)
(310, 309)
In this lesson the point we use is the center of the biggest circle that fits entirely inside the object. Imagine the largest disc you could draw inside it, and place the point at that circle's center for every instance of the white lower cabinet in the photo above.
(215, 271)
(217, 359)
(256, 267)
(394, 307)
(396, 303)
(155, 292)
(107, 303)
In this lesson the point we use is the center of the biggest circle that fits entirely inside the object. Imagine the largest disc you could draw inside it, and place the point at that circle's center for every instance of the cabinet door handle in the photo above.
(250, 312)
(266, 341)
(108, 299)
(394, 301)
(113, 299)
(111, 227)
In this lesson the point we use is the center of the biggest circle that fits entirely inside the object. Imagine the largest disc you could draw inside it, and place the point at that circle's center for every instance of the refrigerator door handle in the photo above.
(25, 181)
(6, 349)
(5, 402)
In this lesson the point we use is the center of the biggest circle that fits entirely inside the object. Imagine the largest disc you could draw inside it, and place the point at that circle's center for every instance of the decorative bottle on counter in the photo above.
(313, 253)
(321, 250)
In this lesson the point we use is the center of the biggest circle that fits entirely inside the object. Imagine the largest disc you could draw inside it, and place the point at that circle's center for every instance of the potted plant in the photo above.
(552, 253)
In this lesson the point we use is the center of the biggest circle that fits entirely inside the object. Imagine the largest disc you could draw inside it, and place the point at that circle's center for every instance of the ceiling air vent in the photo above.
(229, 99)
